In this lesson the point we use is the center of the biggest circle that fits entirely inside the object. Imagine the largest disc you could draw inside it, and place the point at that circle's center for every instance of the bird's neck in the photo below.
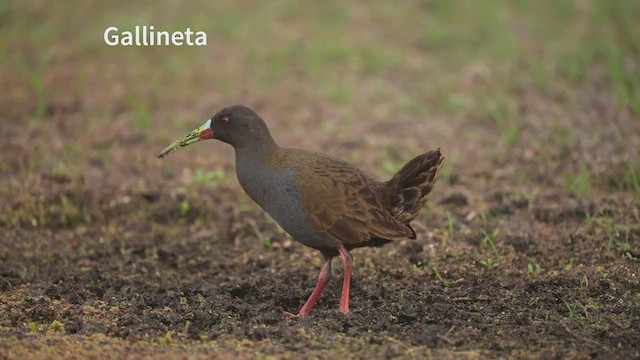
(252, 167)
(256, 151)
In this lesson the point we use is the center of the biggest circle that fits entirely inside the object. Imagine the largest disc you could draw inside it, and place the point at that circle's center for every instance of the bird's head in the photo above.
(236, 125)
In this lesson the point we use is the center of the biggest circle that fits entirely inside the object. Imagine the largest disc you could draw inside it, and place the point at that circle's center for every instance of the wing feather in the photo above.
(343, 203)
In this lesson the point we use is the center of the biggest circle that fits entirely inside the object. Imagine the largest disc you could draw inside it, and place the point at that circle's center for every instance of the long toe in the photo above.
(292, 315)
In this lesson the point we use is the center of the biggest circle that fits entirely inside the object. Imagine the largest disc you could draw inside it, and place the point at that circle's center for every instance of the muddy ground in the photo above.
(528, 248)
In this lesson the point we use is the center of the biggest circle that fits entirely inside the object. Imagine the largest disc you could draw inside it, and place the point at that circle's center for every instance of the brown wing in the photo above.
(342, 202)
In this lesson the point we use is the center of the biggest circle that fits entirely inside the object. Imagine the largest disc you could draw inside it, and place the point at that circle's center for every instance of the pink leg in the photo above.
(323, 279)
(347, 262)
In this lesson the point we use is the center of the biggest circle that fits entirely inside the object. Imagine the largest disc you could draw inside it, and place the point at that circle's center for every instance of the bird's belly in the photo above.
(278, 195)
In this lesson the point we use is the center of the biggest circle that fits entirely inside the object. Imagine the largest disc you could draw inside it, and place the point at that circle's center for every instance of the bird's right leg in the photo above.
(323, 280)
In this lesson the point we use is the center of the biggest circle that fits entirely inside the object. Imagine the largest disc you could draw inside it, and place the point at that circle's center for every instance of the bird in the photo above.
(324, 203)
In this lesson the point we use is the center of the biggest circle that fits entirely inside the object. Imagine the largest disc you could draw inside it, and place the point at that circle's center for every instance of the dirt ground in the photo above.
(528, 248)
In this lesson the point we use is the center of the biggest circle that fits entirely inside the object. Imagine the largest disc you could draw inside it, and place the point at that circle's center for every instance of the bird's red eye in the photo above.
(224, 120)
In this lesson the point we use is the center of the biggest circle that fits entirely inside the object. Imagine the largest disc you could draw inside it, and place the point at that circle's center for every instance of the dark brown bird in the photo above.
(322, 202)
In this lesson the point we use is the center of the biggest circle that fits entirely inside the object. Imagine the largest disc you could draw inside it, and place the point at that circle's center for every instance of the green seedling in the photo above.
(580, 184)
(533, 270)
(184, 208)
(490, 239)
(489, 263)
(451, 222)
(568, 265)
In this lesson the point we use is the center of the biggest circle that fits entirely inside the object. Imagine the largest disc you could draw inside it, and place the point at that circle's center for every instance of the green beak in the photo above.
(204, 132)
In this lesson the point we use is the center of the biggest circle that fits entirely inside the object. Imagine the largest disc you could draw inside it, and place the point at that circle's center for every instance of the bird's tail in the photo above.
(408, 190)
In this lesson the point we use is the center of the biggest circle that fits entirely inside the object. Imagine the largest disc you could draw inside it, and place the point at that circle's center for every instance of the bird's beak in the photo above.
(204, 132)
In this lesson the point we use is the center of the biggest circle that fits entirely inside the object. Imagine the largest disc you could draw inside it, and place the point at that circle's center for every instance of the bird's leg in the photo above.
(347, 262)
(323, 279)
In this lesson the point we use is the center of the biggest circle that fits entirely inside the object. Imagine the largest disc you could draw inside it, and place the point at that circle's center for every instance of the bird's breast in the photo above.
(277, 193)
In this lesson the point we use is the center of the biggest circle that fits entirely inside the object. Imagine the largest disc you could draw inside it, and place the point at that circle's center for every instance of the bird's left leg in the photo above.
(323, 279)
(347, 263)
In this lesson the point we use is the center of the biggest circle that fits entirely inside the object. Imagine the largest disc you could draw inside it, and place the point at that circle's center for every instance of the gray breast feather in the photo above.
(277, 193)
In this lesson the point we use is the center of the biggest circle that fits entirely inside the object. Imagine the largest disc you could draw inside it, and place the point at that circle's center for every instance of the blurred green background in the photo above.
(495, 73)
(435, 57)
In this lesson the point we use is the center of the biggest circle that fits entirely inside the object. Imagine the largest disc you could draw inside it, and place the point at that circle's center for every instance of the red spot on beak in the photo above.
(206, 134)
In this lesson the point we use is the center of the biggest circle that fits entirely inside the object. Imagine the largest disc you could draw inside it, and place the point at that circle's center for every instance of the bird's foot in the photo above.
(292, 315)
